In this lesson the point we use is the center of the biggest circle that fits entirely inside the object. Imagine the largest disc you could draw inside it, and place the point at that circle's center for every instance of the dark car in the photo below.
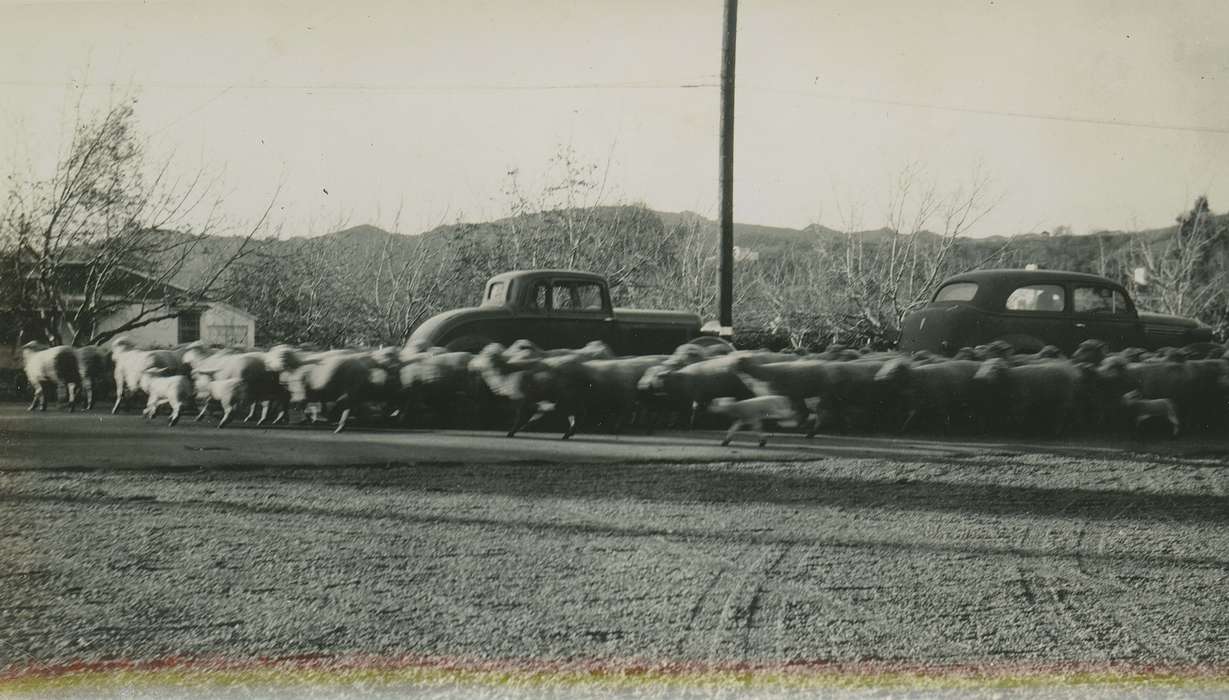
(558, 309)
(1034, 308)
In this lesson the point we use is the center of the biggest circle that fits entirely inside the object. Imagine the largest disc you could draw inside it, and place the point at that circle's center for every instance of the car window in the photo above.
(496, 294)
(537, 300)
(1037, 297)
(957, 291)
(590, 296)
(1102, 300)
(563, 297)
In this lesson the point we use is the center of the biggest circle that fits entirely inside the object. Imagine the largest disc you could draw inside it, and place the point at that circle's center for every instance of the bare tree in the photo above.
(1186, 270)
(108, 238)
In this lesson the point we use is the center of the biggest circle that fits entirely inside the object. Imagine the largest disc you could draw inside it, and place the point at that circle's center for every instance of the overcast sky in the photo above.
(1089, 113)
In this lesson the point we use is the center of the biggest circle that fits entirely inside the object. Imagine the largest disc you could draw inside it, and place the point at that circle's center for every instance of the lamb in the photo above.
(753, 412)
(237, 379)
(162, 388)
(48, 368)
(93, 363)
(839, 385)
(130, 363)
(1140, 410)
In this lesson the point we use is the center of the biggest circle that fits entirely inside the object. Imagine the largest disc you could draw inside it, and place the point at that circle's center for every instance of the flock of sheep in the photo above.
(987, 388)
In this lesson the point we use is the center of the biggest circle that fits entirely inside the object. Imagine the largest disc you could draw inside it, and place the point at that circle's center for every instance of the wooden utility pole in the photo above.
(726, 271)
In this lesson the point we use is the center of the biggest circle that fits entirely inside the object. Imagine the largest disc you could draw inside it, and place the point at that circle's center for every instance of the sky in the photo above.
(1092, 114)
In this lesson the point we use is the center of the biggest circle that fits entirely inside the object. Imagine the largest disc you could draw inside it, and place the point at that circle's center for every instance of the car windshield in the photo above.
(957, 291)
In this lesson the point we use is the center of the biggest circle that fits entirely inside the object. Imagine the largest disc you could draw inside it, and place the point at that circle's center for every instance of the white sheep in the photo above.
(174, 390)
(1140, 409)
(130, 363)
(48, 368)
(753, 412)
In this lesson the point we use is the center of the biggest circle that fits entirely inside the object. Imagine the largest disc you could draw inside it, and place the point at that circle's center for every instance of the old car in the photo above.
(558, 309)
(1033, 308)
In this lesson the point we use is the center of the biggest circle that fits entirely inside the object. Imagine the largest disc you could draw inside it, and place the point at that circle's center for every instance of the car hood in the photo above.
(650, 316)
(1155, 319)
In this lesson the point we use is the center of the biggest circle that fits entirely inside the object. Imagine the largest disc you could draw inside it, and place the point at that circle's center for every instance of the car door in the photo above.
(1034, 315)
(1103, 313)
(580, 312)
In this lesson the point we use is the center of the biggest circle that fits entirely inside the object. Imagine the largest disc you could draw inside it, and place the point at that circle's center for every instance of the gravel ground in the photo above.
(1029, 559)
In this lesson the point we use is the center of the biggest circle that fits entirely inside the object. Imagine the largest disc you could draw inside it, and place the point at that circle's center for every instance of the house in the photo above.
(132, 294)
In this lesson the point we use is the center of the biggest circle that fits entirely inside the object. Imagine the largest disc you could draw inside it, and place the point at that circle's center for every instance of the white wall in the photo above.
(225, 325)
(164, 333)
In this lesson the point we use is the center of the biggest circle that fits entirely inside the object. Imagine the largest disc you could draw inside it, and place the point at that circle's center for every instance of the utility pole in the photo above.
(726, 271)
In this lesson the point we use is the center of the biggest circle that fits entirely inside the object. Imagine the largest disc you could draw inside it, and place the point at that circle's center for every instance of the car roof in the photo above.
(1026, 277)
(522, 274)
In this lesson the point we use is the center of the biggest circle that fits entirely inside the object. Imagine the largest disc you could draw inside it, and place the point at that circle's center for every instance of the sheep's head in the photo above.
(991, 371)
(596, 350)
(1050, 352)
(965, 353)
(122, 344)
(32, 347)
(1131, 397)
(1091, 351)
(282, 358)
(721, 404)
(894, 370)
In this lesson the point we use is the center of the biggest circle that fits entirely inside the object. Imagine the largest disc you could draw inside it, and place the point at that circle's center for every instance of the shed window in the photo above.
(1038, 297)
(189, 326)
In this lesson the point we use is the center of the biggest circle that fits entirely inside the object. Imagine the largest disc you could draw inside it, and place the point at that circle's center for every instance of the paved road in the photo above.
(471, 547)
(61, 440)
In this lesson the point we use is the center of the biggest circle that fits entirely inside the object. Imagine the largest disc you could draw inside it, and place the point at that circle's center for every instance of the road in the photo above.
(127, 540)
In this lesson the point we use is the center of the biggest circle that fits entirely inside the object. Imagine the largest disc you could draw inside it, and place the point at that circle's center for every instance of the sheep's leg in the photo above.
(571, 427)
(87, 387)
(729, 434)
(71, 388)
(695, 409)
(204, 410)
(1173, 422)
(345, 416)
(175, 406)
(516, 419)
(38, 389)
(910, 416)
(119, 396)
(227, 409)
(251, 413)
(758, 425)
(264, 411)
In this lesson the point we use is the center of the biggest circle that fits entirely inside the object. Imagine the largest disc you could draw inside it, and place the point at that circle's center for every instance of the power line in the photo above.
(996, 112)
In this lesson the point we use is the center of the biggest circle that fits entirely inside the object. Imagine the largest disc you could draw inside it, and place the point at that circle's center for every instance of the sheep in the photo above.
(612, 385)
(237, 379)
(753, 412)
(1090, 352)
(1049, 352)
(163, 388)
(844, 388)
(697, 384)
(546, 384)
(435, 381)
(50, 367)
(93, 363)
(939, 390)
(1036, 392)
(1140, 410)
(345, 379)
(130, 363)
